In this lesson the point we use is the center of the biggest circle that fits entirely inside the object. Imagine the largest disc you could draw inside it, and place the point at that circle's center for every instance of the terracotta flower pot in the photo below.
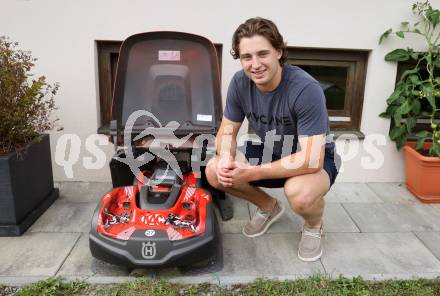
(422, 174)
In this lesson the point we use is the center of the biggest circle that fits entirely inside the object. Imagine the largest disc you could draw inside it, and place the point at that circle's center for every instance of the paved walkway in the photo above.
(375, 230)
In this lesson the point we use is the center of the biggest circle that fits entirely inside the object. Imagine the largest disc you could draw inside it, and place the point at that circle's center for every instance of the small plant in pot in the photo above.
(416, 99)
(26, 180)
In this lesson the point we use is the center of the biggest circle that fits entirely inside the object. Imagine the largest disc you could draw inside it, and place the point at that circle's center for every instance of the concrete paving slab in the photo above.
(268, 255)
(289, 221)
(65, 216)
(392, 192)
(241, 216)
(275, 192)
(431, 240)
(83, 191)
(352, 192)
(80, 262)
(336, 219)
(276, 253)
(35, 254)
(390, 217)
(369, 254)
(50, 246)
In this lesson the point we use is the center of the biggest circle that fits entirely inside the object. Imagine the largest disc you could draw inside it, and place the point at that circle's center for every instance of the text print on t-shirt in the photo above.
(279, 120)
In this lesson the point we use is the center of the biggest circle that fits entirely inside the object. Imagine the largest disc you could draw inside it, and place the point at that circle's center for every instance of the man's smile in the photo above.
(259, 74)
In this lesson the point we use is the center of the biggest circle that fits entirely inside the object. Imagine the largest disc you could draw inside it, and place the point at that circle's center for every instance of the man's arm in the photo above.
(226, 144)
(226, 138)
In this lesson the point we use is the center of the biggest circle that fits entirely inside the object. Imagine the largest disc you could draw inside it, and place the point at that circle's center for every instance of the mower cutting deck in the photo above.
(169, 224)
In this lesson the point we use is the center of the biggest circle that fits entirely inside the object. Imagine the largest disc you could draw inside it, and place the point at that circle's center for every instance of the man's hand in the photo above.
(242, 174)
(230, 173)
(224, 166)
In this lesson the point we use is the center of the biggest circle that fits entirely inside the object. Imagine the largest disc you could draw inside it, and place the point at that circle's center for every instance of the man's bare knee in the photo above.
(300, 196)
(302, 203)
(211, 175)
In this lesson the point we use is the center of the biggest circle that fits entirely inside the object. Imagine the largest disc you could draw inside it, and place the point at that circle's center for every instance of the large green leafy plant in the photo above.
(25, 102)
(417, 93)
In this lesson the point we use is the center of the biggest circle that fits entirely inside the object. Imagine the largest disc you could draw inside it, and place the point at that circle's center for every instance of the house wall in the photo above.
(62, 34)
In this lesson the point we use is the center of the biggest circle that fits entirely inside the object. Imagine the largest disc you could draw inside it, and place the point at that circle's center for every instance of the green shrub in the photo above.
(25, 102)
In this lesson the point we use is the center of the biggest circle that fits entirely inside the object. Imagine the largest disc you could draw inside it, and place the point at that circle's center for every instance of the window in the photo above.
(341, 74)
(108, 54)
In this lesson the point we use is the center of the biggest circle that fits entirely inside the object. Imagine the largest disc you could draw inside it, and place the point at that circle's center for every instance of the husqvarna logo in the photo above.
(148, 250)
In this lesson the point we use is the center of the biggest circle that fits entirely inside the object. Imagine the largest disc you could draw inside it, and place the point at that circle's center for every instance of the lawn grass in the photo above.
(315, 285)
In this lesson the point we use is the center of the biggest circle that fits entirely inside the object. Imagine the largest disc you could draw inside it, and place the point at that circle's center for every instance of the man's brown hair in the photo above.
(262, 27)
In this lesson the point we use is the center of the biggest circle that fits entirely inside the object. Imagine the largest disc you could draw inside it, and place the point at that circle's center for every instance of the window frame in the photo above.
(105, 50)
(356, 60)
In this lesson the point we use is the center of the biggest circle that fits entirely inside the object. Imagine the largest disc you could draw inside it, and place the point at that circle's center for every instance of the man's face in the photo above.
(260, 62)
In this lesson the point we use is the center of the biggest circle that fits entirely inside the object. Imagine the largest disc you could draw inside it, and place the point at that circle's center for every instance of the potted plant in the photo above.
(415, 99)
(26, 181)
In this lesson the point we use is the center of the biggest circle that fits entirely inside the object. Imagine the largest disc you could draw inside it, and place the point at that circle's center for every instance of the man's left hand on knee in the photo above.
(242, 174)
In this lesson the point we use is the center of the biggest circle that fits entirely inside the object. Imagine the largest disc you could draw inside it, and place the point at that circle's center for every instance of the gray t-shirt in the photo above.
(296, 108)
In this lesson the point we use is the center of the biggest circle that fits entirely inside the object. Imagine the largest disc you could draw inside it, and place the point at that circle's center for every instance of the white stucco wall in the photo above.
(61, 35)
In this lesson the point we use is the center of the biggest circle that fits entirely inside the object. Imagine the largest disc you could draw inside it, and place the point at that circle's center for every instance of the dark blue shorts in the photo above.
(255, 151)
